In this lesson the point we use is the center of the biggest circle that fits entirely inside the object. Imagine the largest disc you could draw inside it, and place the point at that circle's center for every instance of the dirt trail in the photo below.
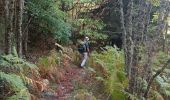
(72, 76)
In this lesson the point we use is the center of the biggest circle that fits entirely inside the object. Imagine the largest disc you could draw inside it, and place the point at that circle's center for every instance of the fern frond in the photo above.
(13, 64)
(111, 63)
(16, 84)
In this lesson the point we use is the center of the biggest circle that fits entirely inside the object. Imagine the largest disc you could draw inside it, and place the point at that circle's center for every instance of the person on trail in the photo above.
(85, 51)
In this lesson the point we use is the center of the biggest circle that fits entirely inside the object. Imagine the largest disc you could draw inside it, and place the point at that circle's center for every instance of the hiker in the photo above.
(84, 50)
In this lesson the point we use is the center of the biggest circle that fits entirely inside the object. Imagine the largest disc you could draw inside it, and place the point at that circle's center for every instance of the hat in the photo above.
(87, 38)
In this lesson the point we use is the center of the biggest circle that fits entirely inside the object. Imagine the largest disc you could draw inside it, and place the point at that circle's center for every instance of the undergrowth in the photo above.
(18, 74)
(161, 87)
(16, 87)
(52, 67)
(109, 66)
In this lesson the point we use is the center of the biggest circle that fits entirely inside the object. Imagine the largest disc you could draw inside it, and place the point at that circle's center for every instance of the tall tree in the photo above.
(19, 13)
(9, 16)
(129, 42)
(138, 42)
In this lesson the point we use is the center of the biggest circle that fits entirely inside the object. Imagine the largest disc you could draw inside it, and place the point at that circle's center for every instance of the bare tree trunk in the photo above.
(9, 16)
(165, 38)
(137, 46)
(25, 35)
(25, 42)
(126, 22)
(7, 30)
(20, 5)
(129, 46)
(15, 23)
(134, 42)
(129, 41)
(12, 5)
(164, 11)
(124, 35)
(147, 44)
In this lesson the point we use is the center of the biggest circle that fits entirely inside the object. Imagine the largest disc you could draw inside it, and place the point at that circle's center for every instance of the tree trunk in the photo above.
(7, 28)
(25, 41)
(138, 44)
(126, 22)
(25, 36)
(129, 42)
(165, 38)
(147, 44)
(124, 34)
(20, 5)
(9, 16)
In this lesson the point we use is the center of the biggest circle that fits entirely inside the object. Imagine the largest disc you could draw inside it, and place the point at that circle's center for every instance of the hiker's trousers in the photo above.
(85, 57)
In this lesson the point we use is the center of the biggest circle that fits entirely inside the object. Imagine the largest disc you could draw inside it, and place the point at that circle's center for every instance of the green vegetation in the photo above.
(15, 86)
(49, 19)
(129, 57)
(162, 80)
(110, 67)
(13, 72)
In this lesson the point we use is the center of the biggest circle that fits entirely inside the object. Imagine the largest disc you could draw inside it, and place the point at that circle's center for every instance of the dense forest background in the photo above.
(129, 45)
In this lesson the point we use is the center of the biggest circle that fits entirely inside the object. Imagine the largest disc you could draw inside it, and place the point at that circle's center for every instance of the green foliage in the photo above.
(13, 72)
(11, 63)
(143, 84)
(90, 1)
(160, 59)
(91, 27)
(112, 60)
(44, 61)
(164, 83)
(155, 17)
(154, 2)
(155, 96)
(49, 18)
(163, 80)
(131, 96)
(83, 95)
(16, 84)
(54, 59)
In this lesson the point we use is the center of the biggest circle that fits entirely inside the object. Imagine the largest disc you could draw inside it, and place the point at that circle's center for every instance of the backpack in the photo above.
(82, 48)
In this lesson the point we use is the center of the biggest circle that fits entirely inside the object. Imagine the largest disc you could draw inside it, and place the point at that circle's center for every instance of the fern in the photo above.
(111, 62)
(131, 97)
(54, 59)
(13, 64)
(16, 84)
(163, 80)
(165, 89)
(155, 95)
(13, 71)
(164, 85)
(83, 94)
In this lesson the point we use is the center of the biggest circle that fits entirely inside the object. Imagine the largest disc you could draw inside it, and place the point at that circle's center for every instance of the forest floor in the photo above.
(72, 80)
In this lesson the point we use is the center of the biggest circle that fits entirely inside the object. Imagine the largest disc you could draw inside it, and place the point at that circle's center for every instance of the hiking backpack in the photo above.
(82, 48)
